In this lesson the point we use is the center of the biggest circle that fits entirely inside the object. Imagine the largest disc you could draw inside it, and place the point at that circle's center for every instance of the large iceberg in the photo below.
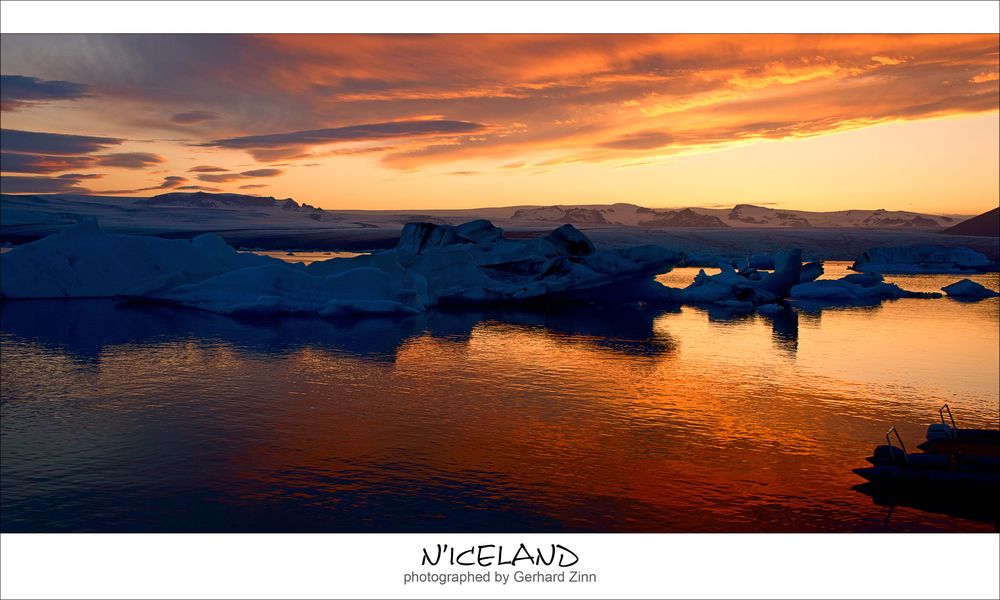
(474, 264)
(432, 264)
(85, 262)
(922, 259)
(268, 289)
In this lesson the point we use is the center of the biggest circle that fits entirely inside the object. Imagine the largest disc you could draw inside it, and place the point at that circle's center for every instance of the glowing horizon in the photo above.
(810, 122)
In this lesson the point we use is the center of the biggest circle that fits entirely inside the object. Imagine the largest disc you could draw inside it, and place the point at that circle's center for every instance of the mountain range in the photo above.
(33, 215)
(740, 216)
(283, 223)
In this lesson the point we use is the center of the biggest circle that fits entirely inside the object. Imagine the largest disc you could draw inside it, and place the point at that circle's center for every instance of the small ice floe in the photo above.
(791, 280)
(750, 284)
(966, 289)
(922, 259)
(857, 287)
(770, 309)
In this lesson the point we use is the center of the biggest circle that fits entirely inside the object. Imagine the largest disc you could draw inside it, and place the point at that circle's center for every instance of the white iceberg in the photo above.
(85, 262)
(473, 264)
(467, 264)
(922, 259)
(967, 289)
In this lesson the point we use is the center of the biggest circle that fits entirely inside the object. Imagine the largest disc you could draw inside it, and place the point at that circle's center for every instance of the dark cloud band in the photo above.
(351, 133)
(130, 160)
(17, 91)
(14, 162)
(20, 184)
(36, 142)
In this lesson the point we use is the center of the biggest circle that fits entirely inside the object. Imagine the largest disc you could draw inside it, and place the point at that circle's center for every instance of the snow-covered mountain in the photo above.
(748, 215)
(616, 214)
(740, 216)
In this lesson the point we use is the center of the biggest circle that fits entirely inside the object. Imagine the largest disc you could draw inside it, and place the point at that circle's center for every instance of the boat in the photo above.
(945, 439)
(951, 460)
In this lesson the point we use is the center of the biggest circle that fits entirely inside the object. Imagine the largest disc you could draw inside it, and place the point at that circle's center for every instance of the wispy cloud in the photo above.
(198, 188)
(227, 177)
(640, 140)
(169, 182)
(275, 145)
(81, 176)
(195, 116)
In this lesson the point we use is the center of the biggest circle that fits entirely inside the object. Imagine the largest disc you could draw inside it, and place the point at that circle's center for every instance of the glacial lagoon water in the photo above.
(121, 417)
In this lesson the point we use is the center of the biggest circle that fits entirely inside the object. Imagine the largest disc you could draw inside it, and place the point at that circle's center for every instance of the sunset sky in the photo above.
(814, 122)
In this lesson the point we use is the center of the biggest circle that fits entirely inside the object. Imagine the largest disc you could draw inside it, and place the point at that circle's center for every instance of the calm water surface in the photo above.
(147, 418)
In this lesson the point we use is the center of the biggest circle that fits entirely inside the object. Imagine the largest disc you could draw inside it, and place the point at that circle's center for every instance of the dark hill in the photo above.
(986, 225)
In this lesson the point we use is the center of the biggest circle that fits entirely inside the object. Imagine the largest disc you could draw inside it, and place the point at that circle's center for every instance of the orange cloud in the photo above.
(985, 77)
(415, 101)
(575, 93)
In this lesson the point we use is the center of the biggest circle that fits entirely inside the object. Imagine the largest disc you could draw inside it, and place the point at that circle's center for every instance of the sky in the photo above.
(812, 122)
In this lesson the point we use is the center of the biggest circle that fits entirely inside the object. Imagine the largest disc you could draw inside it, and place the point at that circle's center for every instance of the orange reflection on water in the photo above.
(630, 420)
(722, 429)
